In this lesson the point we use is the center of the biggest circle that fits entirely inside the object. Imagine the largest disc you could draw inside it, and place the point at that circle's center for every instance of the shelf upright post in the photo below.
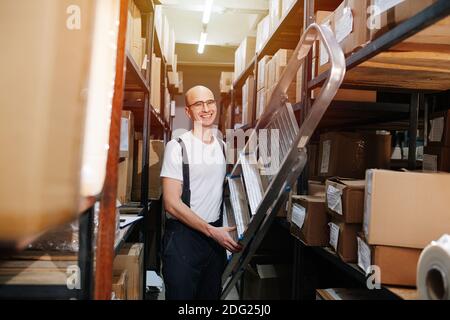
(107, 216)
(416, 100)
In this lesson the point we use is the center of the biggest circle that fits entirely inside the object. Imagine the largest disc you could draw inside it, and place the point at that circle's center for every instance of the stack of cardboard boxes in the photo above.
(403, 213)
(437, 152)
(357, 22)
(155, 83)
(136, 44)
(270, 69)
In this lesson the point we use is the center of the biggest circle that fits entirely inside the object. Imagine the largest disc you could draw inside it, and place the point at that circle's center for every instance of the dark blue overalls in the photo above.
(192, 262)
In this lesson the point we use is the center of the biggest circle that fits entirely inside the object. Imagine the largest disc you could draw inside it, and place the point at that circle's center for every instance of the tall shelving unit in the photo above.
(309, 273)
(132, 93)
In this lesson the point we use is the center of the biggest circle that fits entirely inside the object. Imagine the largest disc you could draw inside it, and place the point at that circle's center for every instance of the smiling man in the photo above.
(192, 174)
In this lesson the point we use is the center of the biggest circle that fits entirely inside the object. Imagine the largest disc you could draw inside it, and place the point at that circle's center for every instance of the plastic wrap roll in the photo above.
(433, 272)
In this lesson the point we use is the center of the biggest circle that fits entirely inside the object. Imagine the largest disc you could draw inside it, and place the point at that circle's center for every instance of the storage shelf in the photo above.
(286, 35)
(134, 79)
(374, 66)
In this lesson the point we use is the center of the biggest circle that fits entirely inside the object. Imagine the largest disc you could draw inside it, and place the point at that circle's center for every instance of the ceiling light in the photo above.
(207, 11)
(201, 44)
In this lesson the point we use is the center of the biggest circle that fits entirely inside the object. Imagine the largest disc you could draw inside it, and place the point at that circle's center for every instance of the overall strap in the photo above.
(186, 195)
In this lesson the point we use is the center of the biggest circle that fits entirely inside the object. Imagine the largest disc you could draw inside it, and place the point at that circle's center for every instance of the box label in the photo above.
(334, 199)
(364, 257)
(334, 235)
(385, 5)
(298, 214)
(436, 129)
(430, 162)
(326, 147)
(124, 134)
(344, 25)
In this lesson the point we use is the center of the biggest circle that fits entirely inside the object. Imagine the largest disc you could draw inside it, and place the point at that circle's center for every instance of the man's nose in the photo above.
(205, 107)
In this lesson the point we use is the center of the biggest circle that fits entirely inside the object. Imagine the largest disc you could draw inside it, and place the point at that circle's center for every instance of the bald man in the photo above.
(192, 174)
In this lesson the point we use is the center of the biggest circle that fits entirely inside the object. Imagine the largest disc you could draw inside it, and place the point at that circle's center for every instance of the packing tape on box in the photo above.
(433, 272)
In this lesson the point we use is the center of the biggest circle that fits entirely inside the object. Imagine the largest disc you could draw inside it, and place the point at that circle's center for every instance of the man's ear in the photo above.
(188, 114)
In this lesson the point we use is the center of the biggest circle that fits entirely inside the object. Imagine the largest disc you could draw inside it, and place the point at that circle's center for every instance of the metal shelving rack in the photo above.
(388, 116)
(96, 282)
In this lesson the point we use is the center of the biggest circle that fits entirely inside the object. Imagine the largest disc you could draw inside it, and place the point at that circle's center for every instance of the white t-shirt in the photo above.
(207, 169)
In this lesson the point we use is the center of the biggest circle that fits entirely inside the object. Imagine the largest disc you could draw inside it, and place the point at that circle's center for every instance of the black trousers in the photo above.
(192, 263)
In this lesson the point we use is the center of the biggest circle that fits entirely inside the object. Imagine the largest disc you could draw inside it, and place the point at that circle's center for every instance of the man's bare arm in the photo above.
(172, 190)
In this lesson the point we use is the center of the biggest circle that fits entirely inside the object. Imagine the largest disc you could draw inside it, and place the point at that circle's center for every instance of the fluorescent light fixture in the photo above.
(207, 11)
(201, 44)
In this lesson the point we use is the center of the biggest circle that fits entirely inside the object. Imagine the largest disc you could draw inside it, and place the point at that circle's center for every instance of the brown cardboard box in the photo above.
(260, 103)
(406, 209)
(390, 17)
(265, 282)
(343, 240)
(226, 81)
(436, 159)
(345, 199)
(155, 96)
(309, 220)
(156, 153)
(243, 55)
(125, 174)
(119, 285)
(439, 129)
(398, 266)
(351, 35)
(316, 188)
(262, 71)
(349, 154)
(131, 260)
(248, 100)
(124, 185)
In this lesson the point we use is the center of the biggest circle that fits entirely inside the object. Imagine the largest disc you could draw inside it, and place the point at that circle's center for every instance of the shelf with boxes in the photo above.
(410, 52)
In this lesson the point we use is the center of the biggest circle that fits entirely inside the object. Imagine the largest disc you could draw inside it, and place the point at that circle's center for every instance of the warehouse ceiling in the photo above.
(231, 20)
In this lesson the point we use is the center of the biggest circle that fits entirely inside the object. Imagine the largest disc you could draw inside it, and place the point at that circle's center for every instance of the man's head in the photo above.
(201, 106)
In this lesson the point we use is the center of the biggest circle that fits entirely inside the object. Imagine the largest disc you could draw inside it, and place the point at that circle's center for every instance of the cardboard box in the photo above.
(262, 33)
(155, 95)
(406, 209)
(343, 240)
(131, 260)
(119, 285)
(439, 129)
(398, 265)
(125, 170)
(392, 13)
(275, 13)
(267, 282)
(349, 154)
(260, 103)
(309, 220)
(262, 72)
(350, 25)
(248, 100)
(226, 81)
(436, 159)
(345, 199)
(281, 59)
(316, 188)
(126, 134)
(156, 153)
(243, 55)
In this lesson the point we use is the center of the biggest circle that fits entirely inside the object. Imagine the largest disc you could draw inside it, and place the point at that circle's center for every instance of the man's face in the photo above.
(201, 106)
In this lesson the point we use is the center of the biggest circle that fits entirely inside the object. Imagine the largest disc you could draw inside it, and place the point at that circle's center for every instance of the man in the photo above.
(192, 174)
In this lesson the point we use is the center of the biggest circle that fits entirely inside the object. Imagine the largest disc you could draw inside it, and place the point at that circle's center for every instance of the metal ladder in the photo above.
(273, 158)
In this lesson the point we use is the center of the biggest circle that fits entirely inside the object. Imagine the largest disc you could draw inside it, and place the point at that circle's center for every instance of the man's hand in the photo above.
(222, 236)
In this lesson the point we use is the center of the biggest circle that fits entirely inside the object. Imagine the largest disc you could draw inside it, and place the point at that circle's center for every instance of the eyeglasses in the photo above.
(199, 104)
